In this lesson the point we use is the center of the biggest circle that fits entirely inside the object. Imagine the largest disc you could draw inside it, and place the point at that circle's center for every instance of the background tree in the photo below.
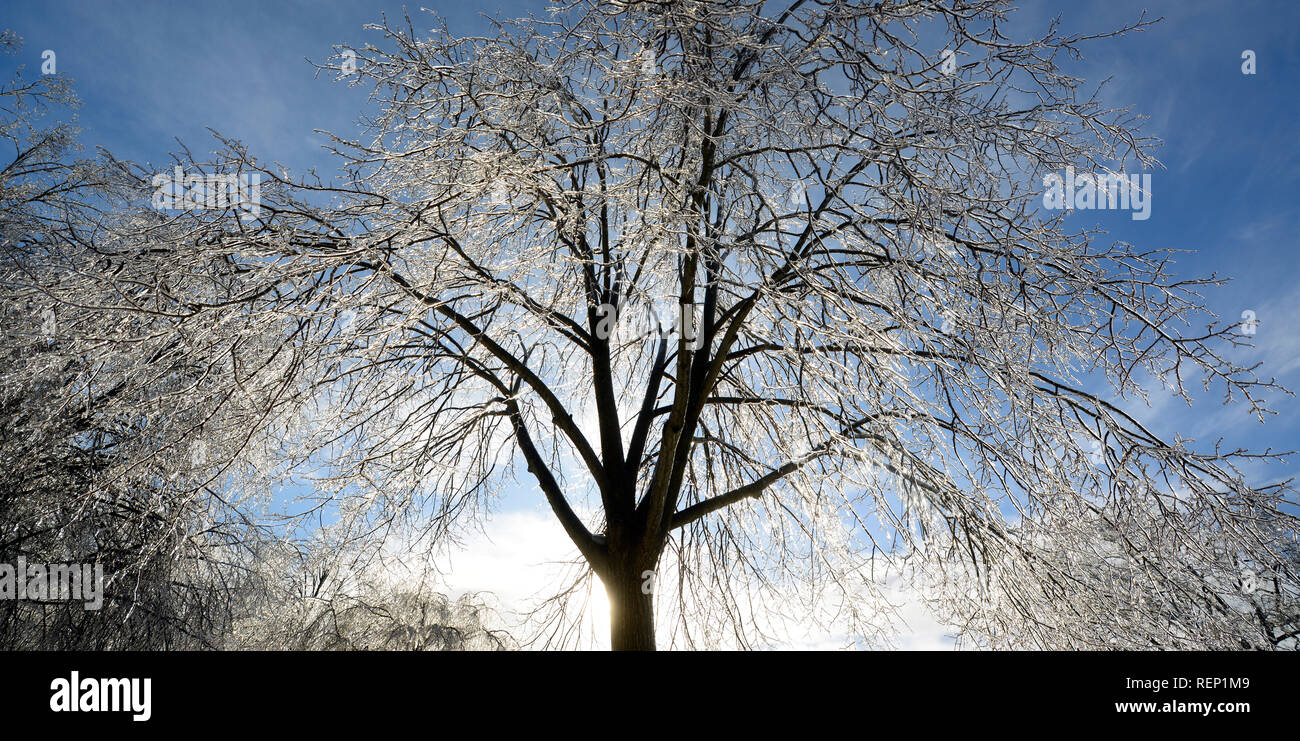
(101, 417)
(72, 427)
(384, 605)
(891, 363)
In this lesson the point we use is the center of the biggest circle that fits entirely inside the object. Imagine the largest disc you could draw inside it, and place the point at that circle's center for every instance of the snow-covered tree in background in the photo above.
(91, 412)
(889, 362)
(359, 603)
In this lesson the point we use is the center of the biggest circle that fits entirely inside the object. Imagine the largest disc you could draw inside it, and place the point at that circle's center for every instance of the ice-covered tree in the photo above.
(351, 602)
(886, 360)
(94, 404)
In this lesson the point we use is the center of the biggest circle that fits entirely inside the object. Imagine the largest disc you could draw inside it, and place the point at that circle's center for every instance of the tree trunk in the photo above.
(631, 613)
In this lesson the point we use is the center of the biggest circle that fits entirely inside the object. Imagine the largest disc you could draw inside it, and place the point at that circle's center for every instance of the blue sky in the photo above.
(150, 73)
